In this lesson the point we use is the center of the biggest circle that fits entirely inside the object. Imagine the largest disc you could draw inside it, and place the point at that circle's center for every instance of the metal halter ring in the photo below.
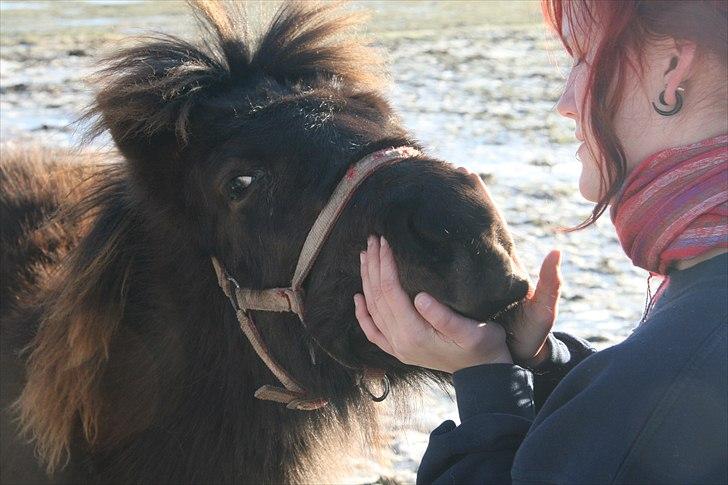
(385, 393)
(678, 103)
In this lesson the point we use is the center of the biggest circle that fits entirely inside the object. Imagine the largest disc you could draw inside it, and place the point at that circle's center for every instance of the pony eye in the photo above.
(236, 187)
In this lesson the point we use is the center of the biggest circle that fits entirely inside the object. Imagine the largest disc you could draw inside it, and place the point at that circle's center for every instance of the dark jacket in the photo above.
(653, 409)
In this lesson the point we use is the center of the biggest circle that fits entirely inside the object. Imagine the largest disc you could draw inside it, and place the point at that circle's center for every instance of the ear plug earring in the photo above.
(678, 103)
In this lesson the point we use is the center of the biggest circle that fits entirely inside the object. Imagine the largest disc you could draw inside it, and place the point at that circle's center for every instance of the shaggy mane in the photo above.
(160, 81)
(82, 306)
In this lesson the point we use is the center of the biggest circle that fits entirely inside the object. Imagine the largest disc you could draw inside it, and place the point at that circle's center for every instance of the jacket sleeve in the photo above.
(566, 353)
(497, 405)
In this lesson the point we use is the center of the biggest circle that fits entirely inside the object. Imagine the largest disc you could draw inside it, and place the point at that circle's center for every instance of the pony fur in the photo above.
(127, 360)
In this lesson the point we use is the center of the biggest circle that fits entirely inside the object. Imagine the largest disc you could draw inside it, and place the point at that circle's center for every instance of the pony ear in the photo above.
(80, 310)
(310, 42)
(147, 93)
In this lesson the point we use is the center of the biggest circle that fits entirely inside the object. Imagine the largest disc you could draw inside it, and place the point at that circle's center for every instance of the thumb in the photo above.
(442, 318)
(548, 288)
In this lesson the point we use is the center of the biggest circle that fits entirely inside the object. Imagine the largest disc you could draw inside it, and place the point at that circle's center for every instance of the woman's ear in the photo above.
(679, 70)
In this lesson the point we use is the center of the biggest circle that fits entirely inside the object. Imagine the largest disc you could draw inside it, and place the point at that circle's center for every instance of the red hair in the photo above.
(625, 28)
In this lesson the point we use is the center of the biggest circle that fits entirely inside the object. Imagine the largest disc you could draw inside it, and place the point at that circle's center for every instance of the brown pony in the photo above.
(122, 360)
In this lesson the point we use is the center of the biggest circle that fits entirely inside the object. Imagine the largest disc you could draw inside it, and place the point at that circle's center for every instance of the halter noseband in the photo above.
(291, 299)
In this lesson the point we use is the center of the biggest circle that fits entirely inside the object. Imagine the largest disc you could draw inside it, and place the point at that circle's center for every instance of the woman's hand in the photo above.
(527, 338)
(427, 334)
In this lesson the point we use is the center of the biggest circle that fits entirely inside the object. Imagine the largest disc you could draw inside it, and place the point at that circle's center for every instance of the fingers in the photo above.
(431, 335)
(394, 295)
(375, 298)
(389, 306)
(548, 287)
(367, 286)
(368, 326)
(543, 307)
(450, 324)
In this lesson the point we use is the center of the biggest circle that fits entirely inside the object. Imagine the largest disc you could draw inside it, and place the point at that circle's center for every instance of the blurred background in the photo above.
(475, 81)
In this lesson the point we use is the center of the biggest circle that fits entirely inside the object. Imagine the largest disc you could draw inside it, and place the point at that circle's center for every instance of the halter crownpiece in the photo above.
(291, 299)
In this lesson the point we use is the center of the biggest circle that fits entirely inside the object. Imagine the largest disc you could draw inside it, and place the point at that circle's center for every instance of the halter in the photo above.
(291, 299)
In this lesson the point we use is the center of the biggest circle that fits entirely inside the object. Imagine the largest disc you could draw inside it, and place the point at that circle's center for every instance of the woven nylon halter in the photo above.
(291, 299)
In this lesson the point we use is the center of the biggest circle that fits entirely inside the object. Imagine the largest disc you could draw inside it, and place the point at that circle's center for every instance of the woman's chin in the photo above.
(589, 180)
(589, 188)
(589, 192)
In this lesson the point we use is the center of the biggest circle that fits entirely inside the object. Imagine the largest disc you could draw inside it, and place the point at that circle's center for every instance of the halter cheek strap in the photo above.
(291, 299)
(292, 393)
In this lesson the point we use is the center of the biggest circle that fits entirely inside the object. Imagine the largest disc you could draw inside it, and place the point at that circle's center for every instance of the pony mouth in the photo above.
(507, 314)
(504, 311)
(509, 309)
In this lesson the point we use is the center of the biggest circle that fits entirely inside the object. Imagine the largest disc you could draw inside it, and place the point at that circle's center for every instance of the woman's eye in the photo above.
(567, 71)
(236, 187)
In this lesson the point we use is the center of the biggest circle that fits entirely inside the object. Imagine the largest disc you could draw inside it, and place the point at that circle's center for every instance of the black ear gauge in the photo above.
(675, 109)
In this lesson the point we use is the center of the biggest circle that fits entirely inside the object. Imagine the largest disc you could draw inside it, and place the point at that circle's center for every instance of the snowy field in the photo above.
(476, 82)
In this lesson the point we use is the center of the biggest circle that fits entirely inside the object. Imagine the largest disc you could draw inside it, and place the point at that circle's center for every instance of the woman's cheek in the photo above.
(589, 180)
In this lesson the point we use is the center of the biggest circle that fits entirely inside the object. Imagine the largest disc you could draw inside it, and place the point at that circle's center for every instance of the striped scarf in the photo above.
(674, 205)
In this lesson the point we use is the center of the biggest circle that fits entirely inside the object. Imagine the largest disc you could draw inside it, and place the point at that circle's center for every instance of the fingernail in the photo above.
(423, 301)
(383, 242)
(362, 257)
(370, 241)
(356, 302)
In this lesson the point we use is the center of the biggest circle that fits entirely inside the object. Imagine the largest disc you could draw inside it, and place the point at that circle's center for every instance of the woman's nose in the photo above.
(567, 102)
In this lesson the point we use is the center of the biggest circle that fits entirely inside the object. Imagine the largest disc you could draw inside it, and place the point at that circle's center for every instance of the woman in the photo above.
(649, 94)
